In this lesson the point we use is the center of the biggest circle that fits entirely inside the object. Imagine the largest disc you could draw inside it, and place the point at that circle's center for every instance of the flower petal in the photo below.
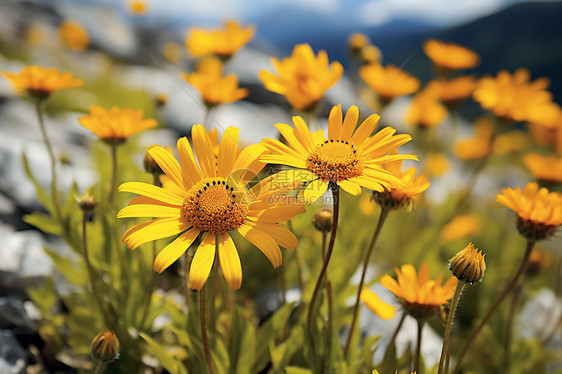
(376, 305)
(202, 262)
(314, 190)
(174, 250)
(264, 242)
(230, 262)
(167, 163)
(149, 210)
(153, 192)
(153, 230)
(283, 236)
(350, 187)
(191, 172)
(204, 151)
(228, 150)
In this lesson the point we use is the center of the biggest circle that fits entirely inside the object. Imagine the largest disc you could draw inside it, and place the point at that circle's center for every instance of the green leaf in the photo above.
(167, 361)
(43, 222)
(297, 370)
(43, 196)
(44, 296)
(267, 332)
(73, 272)
(242, 345)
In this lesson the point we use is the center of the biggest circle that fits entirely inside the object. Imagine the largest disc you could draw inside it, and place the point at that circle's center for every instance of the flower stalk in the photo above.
(444, 360)
(204, 330)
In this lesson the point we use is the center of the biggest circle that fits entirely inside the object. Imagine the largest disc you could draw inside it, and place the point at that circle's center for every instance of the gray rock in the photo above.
(12, 355)
(13, 316)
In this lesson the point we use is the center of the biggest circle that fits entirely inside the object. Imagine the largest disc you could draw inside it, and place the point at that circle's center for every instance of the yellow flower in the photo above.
(419, 295)
(480, 145)
(349, 157)
(370, 54)
(357, 41)
(222, 43)
(450, 56)
(398, 196)
(538, 261)
(35, 35)
(388, 82)
(137, 7)
(436, 164)
(40, 82)
(426, 111)
(468, 265)
(209, 197)
(511, 141)
(512, 97)
(303, 78)
(215, 88)
(460, 227)
(547, 169)
(74, 36)
(115, 125)
(452, 92)
(376, 305)
(539, 211)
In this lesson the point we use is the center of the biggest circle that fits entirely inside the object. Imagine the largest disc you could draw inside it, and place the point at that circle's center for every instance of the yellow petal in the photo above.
(228, 150)
(264, 242)
(153, 192)
(167, 163)
(350, 187)
(204, 151)
(349, 123)
(280, 234)
(153, 230)
(230, 262)
(174, 250)
(191, 171)
(315, 190)
(202, 262)
(334, 122)
(376, 305)
(149, 210)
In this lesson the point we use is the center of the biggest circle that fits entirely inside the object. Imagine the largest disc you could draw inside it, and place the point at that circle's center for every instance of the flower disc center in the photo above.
(213, 206)
(335, 161)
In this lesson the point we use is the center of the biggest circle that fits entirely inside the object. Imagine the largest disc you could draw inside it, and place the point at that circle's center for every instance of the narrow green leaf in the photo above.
(167, 361)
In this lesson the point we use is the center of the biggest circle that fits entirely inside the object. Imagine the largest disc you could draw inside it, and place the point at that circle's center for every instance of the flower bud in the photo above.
(468, 265)
(323, 220)
(105, 346)
(356, 42)
(86, 202)
(150, 166)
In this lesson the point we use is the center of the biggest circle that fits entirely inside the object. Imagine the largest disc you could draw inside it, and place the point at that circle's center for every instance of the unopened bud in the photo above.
(322, 220)
(86, 202)
(105, 346)
(468, 265)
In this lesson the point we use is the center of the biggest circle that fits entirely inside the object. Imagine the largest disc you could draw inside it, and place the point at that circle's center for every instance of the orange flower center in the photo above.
(213, 206)
(335, 161)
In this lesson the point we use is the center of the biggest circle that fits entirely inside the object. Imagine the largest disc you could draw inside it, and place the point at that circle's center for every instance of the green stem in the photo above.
(330, 313)
(417, 356)
(448, 328)
(214, 285)
(114, 170)
(396, 331)
(204, 331)
(336, 203)
(187, 290)
(380, 223)
(298, 262)
(52, 159)
(100, 367)
(506, 291)
(90, 269)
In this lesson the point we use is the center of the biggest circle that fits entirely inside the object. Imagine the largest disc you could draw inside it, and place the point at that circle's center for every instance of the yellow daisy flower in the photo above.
(388, 82)
(115, 125)
(349, 157)
(401, 195)
(73, 35)
(450, 56)
(222, 43)
(419, 295)
(215, 88)
(547, 169)
(40, 82)
(376, 305)
(137, 7)
(452, 92)
(209, 198)
(539, 211)
(512, 97)
(426, 111)
(303, 78)
(356, 42)
(479, 146)
(460, 227)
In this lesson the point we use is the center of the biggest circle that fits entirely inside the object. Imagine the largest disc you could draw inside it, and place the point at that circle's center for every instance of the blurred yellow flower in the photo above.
(370, 54)
(115, 125)
(388, 82)
(73, 35)
(350, 157)
(460, 227)
(512, 97)
(546, 126)
(213, 87)
(40, 82)
(547, 169)
(303, 78)
(480, 145)
(398, 196)
(511, 141)
(366, 204)
(435, 164)
(450, 56)
(539, 211)
(419, 295)
(357, 41)
(172, 52)
(376, 305)
(538, 261)
(210, 198)
(454, 91)
(222, 43)
(426, 111)
(468, 265)
(35, 35)
(137, 7)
